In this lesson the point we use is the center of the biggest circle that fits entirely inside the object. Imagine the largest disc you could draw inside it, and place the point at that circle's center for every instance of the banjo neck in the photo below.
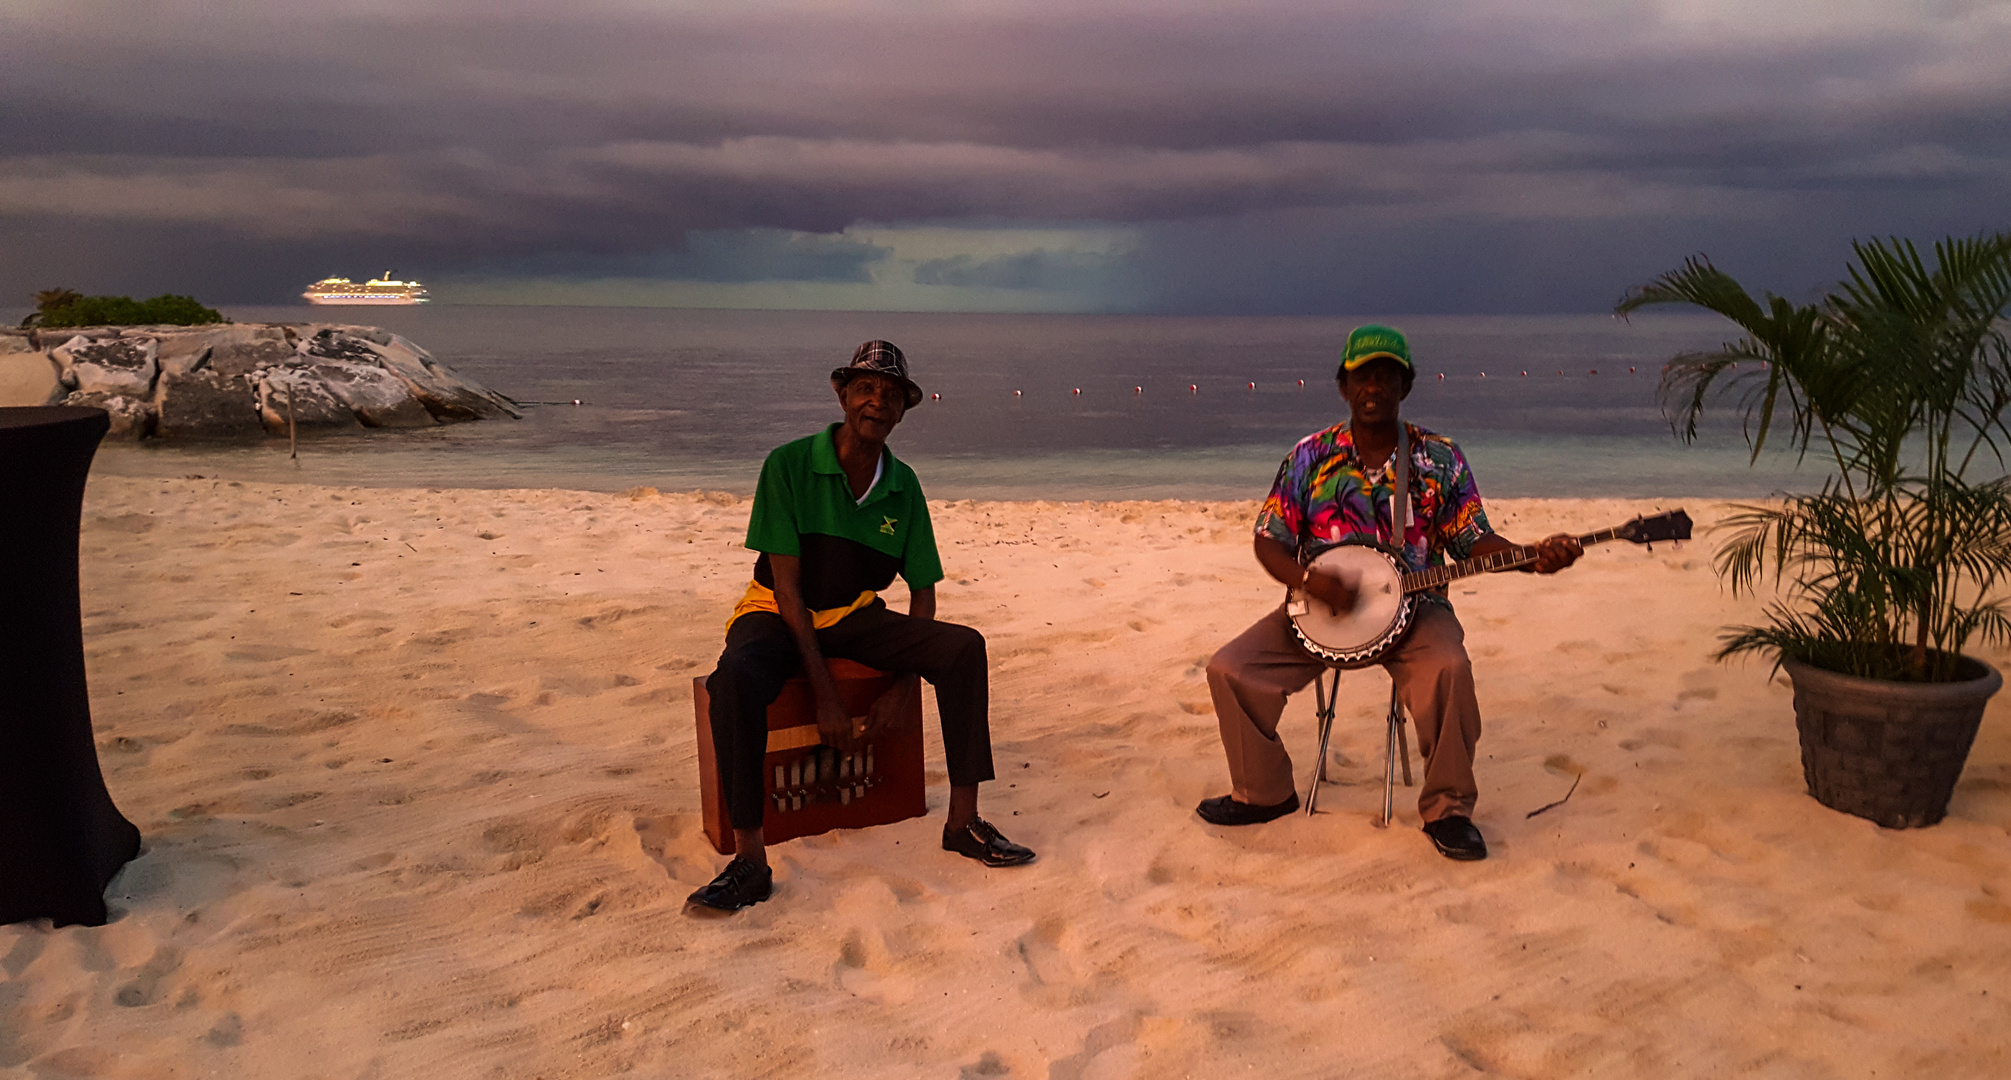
(1382, 612)
(1519, 555)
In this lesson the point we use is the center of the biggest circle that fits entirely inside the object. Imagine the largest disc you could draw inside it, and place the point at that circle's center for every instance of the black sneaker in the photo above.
(979, 840)
(740, 884)
(1225, 810)
(1457, 838)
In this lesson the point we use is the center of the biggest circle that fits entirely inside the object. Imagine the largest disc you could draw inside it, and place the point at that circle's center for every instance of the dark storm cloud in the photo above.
(1046, 270)
(714, 256)
(658, 141)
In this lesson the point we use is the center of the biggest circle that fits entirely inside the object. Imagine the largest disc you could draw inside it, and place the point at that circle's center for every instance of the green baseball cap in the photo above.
(1366, 343)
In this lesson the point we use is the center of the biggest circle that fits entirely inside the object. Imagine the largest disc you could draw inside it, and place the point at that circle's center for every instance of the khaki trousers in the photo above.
(1251, 676)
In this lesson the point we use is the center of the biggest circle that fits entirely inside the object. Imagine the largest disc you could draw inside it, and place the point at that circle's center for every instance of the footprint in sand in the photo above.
(1564, 765)
(518, 843)
(26, 948)
(988, 1064)
(1699, 684)
(264, 653)
(1990, 911)
(146, 987)
(1673, 740)
(866, 968)
(226, 1033)
(1047, 964)
(571, 904)
(294, 722)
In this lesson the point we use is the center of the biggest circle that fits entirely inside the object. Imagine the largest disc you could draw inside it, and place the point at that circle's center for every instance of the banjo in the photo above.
(1386, 593)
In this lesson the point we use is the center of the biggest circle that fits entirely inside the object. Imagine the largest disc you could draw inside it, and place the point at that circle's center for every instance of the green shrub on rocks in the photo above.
(63, 307)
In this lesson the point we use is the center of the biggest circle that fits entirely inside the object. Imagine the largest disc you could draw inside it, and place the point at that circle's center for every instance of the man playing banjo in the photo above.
(1338, 486)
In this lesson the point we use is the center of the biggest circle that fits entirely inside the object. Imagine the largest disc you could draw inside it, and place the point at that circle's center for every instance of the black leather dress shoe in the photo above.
(1457, 838)
(979, 840)
(740, 884)
(1225, 810)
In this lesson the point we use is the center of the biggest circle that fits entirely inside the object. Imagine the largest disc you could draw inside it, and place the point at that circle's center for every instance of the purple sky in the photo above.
(1186, 157)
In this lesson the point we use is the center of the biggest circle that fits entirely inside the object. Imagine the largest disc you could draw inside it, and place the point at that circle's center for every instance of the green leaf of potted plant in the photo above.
(1900, 378)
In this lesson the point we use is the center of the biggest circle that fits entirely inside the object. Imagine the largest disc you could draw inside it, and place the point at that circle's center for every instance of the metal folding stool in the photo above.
(1327, 695)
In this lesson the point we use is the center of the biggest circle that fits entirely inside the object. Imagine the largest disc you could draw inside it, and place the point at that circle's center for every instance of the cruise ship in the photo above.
(384, 290)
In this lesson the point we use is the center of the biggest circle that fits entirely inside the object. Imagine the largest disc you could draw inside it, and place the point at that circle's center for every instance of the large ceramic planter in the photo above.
(1888, 751)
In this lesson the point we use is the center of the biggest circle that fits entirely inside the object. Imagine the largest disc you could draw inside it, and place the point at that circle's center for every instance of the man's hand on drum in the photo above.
(888, 709)
(835, 728)
(1554, 553)
(1332, 590)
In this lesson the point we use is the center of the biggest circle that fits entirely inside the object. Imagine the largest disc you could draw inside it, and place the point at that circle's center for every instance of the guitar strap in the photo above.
(1400, 497)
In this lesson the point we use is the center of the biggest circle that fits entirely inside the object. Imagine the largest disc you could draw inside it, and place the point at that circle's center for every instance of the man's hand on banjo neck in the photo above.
(1553, 553)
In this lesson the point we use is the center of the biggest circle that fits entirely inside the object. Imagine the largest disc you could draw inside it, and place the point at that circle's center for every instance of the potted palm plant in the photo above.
(1897, 382)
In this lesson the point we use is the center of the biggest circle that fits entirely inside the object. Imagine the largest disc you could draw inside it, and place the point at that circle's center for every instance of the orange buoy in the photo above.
(1078, 390)
(1191, 388)
(1525, 374)
(1015, 393)
(1441, 376)
(1137, 389)
(1594, 371)
(1302, 382)
(935, 397)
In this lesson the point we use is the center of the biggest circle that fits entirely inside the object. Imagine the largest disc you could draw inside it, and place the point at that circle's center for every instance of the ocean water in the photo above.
(679, 400)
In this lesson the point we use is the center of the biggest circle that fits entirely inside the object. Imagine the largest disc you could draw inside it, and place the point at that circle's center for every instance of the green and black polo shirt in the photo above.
(803, 506)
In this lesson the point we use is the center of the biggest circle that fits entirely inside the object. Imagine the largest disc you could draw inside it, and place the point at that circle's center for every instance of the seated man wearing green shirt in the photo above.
(835, 517)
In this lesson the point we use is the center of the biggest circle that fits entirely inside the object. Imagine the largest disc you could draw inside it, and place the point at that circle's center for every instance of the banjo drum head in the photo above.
(1381, 613)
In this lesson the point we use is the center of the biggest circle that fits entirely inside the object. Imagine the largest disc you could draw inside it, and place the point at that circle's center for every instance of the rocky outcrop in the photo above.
(119, 366)
(442, 393)
(131, 418)
(243, 349)
(377, 397)
(240, 380)
(293, 393)
(204, 403)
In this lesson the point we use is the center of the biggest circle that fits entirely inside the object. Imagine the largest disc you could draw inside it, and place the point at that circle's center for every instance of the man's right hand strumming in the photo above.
(1283, 566)
(1331, 590)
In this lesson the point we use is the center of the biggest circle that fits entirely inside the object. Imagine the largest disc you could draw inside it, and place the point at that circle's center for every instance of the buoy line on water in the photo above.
(1192, 388)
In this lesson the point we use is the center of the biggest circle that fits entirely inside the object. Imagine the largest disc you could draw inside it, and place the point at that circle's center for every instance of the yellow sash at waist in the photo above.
(760, 597)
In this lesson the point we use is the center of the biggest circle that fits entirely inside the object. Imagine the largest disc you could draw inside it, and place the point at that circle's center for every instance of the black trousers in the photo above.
(761, 655)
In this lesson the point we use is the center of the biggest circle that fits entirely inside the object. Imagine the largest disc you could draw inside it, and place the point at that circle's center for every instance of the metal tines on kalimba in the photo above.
(823, 773)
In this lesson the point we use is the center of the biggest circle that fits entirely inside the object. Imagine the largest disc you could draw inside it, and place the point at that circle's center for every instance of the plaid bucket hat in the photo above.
(879, 358)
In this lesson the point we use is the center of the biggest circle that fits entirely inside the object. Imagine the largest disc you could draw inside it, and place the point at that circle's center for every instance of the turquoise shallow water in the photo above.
(694, 399)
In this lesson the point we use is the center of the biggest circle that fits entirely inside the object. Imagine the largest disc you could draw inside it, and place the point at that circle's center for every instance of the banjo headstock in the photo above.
(1671, 525)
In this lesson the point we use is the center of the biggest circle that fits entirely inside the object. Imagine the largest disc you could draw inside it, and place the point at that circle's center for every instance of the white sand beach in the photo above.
(415, 771)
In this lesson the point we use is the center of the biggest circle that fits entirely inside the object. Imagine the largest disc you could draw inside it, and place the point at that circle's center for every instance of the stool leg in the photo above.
(1326, 699)
(1392, 730)
(1403, 739)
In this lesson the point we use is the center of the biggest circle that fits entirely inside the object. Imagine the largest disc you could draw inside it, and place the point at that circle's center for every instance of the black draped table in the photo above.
(61, 839)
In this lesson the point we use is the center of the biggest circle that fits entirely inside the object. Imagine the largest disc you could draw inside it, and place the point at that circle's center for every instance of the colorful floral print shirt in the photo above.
(1323, 495)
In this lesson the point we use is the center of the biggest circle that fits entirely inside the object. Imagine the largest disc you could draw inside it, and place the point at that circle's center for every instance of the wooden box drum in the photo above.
(813, 788)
